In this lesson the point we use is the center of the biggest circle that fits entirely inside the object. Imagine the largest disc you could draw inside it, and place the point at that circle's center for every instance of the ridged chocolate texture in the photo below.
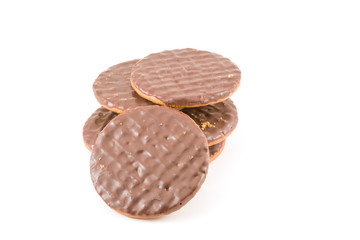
(113, 90)
(215, 150)
(95, 123)
(149, 161)
(185, 78)
(217, 121)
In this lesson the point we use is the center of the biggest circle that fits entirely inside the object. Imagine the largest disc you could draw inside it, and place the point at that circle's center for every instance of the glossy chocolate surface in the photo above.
(113, 90)
(217, 121)
(95, 123)
(186, 77)
(149, 161)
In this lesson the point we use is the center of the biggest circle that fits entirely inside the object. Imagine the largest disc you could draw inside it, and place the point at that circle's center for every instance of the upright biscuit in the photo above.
(113, 90)
(185, 78)
(149, 161)
(217, 121)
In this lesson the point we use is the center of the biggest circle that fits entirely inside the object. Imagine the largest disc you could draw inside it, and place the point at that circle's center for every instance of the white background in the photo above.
(291, 169)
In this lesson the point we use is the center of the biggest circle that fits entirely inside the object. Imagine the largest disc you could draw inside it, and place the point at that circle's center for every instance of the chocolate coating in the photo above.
(215, 150)
(185, 78)
(149, 161)
(217, 121)
(95, 123)
(113, 90)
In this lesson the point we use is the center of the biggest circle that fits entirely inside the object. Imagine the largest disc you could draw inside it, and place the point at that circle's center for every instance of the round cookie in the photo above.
(95, 123)
(113, 90)
(185, 78)
(149, 161)
(217, 121)
(215, 150)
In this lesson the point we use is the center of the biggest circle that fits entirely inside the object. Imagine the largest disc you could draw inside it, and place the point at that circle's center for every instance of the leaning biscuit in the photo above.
(185, 78)
(149, 161)
(113, 90)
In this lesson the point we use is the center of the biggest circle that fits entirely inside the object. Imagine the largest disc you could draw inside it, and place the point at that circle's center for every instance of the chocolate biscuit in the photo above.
(149, 161)
(217, 121)
(185, 78)
(113, 90)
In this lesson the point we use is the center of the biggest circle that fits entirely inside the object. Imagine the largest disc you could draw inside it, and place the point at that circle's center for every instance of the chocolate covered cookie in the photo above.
(149, 161)
(185, 78)
(217, 121)
(113, 90)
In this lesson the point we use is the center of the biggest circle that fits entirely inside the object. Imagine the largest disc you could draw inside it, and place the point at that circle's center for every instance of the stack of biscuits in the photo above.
(162, 120)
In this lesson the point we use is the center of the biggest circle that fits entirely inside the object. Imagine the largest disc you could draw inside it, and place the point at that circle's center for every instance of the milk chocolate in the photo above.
(95, 123)
(185, 78)
(149, 161)
(217, 121)
(113, 90)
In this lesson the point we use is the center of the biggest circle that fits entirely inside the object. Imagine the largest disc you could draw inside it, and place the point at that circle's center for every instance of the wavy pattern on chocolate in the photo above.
(185, 78)
(217, 121)
(113, 90)
(149, 161)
